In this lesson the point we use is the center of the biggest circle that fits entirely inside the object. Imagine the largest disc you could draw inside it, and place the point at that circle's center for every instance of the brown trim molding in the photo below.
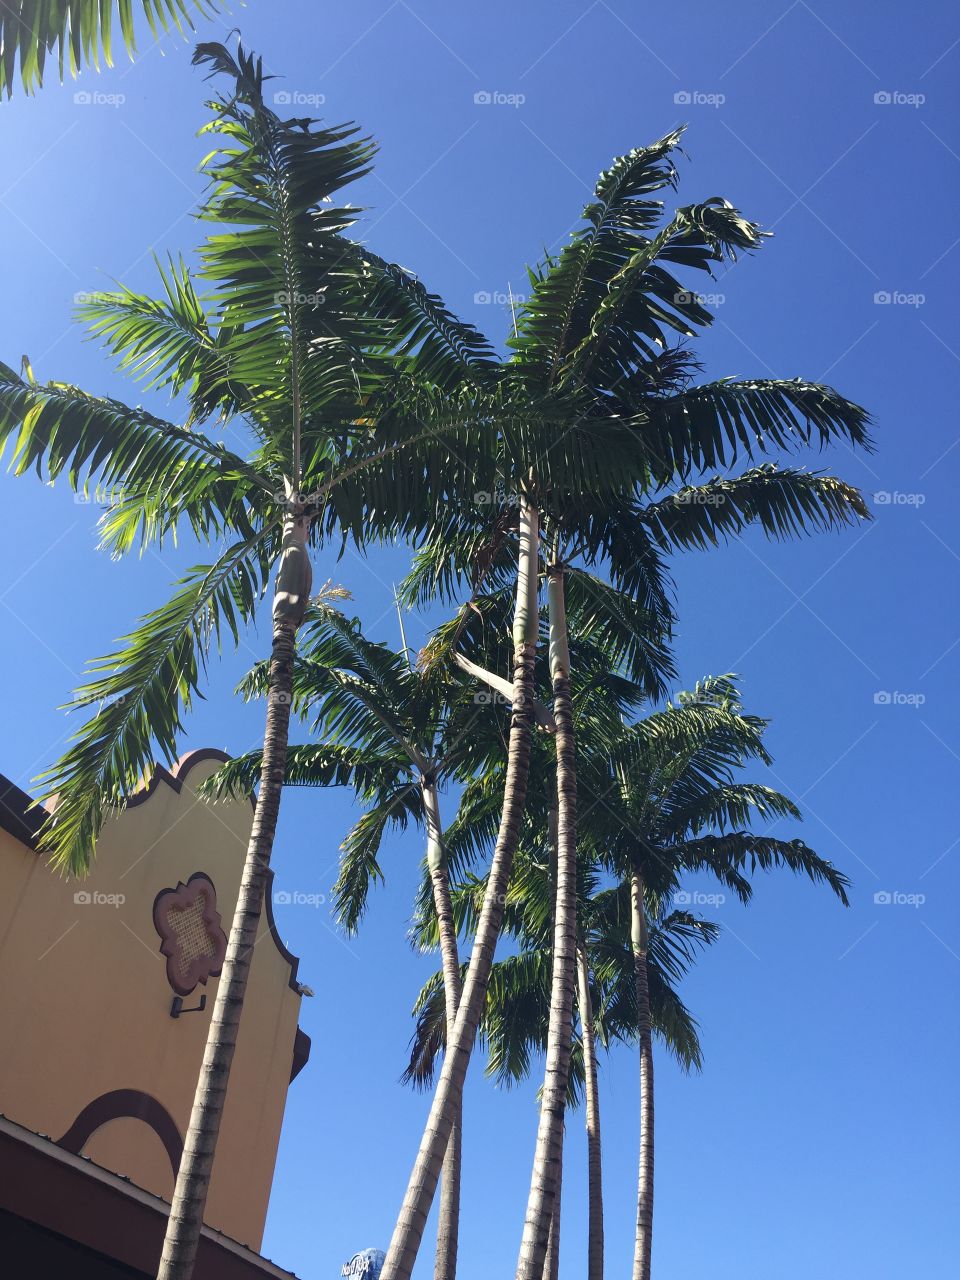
(19, 813)
(119, 1103)
(292, 960)
(176, 778)
(301, 1053)
(102, 1211)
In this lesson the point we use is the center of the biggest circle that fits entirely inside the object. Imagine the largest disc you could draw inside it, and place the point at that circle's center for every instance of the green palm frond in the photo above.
(359, 862)
(151, 473)
(314, 764)
(170, 342)
(141, 692)
(715, 423)
(644, 302)
(567, 290)
(81, 32)
(744, 850)
(282, 278)
(445, 349)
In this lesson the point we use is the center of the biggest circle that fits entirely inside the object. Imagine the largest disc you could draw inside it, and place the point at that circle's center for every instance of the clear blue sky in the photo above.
(821, 1137)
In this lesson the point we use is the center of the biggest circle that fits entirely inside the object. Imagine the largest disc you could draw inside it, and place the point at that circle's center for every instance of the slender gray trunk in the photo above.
(551, 1263)
(638, 934)
(196, 1165)
(545, 1176)
(447, 1098)
(448, 1226)
(592, 1105)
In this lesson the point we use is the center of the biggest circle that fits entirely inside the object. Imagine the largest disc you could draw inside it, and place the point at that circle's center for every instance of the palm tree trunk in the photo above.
(196, 1164)
(422, 1186)
(592, 1101)
(448, 1226)
(638, 936)
(551, 1263)
(546, 1164)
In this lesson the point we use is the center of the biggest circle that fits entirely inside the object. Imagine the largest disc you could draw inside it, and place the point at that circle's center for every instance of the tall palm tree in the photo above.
(82, 32)
(665, 802)
(515, 1024)
(592, 341)
(334, 365)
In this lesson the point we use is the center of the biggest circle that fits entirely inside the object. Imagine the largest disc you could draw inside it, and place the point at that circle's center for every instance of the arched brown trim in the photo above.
(292, 960)
(175, 778)
(119, 1103)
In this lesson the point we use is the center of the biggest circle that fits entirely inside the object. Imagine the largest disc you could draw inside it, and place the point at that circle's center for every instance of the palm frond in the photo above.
(141, 692)
(81, 32)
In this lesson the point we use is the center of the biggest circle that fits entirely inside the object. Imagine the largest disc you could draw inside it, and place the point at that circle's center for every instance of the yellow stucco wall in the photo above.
(85, 1004)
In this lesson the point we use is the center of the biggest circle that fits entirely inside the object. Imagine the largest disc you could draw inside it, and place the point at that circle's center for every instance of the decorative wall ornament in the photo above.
(188, 922)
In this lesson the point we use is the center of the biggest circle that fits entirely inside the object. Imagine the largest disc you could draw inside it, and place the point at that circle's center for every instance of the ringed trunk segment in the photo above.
(448, 1225)
(592, 1107)
(448, 1095)
(193, 1179)
(551, 1263)
(545, 1176)
(638, 933)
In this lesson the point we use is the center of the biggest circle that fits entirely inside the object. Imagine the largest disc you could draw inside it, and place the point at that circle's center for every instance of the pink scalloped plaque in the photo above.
(192, 938)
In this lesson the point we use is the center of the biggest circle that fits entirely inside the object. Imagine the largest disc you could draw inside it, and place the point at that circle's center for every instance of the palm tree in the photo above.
(81, 31)
(592, 345)
(515, 1023)
(340, 369)
(665, 802)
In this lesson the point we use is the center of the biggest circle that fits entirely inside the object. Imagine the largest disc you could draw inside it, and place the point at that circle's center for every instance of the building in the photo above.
(106, 991)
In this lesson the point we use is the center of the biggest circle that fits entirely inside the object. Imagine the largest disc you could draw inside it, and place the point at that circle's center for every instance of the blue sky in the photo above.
(821, 1136)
